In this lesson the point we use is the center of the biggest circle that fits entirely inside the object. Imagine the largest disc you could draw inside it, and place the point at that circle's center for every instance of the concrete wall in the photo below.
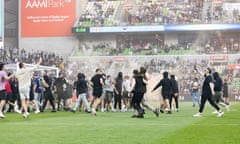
(60, 45)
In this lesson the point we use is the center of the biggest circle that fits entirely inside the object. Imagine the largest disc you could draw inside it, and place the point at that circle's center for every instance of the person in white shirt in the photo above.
(24, 76)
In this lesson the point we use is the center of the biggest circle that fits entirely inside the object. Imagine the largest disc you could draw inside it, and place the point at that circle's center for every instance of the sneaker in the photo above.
(102, 110)
(37, 111)
(161, 111)
(169, 112)
(17, 110)
(134, 116)
(53, 111)
(113, 110)
(73, 111)
(140, 116)
(197, 115)
(215, 112)
(220, 114)
(1, 115)
(177, 110)
(94, 112)
(25, 115)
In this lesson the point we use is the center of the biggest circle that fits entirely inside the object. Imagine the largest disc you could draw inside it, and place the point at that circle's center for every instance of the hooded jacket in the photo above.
(174, 84)
(166, 85)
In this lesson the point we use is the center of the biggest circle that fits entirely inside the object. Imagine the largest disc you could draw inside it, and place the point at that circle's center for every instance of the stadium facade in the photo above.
(121, 35)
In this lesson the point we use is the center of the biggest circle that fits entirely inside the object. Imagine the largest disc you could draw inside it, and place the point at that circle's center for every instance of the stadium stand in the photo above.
(100, 13)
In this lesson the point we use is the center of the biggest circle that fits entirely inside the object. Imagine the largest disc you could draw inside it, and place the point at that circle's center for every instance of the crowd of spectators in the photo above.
(229, 44)
(182, 67)
(147, 12)
(14, 55)
(165, 13)
(99, 13)
(219, 44)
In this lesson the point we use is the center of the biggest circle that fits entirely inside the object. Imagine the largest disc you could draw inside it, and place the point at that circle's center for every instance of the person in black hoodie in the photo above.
(118, 91)
(82, 89)
(97, 84)
(144, 102)
(175, 93)
(166, 92)
(47, 84)
(207, 94)
(60, 86)
(225, 94)
(218, 85)
(138, 90)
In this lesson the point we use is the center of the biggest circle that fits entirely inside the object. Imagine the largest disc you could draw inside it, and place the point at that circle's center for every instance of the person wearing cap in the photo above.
(207, 93)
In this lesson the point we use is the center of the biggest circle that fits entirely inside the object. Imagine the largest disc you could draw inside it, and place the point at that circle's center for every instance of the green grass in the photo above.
(119, 128)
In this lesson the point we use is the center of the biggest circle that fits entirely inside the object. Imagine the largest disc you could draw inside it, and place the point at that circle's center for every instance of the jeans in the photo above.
(82, 97)
(196, 97)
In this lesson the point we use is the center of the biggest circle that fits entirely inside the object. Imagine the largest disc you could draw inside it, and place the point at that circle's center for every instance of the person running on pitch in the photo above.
(82, 89)
(24, 76)
(166, 92)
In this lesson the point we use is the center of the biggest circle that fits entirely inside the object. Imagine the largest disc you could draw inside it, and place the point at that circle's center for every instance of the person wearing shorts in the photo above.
(24, 76)
(97, 85)
(3, 96)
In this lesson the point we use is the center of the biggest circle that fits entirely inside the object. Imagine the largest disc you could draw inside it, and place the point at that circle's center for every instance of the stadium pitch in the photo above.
(119, 128)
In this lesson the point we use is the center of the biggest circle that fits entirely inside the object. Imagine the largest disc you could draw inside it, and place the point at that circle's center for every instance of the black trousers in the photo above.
(175, 100)
(61, 96)
(117, 100)
(204, 98)
(136, 100)
(48, 97)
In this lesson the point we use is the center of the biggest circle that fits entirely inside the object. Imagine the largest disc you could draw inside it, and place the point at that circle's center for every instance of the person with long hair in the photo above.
(143, 71)
(175, 93)
(118, 91)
